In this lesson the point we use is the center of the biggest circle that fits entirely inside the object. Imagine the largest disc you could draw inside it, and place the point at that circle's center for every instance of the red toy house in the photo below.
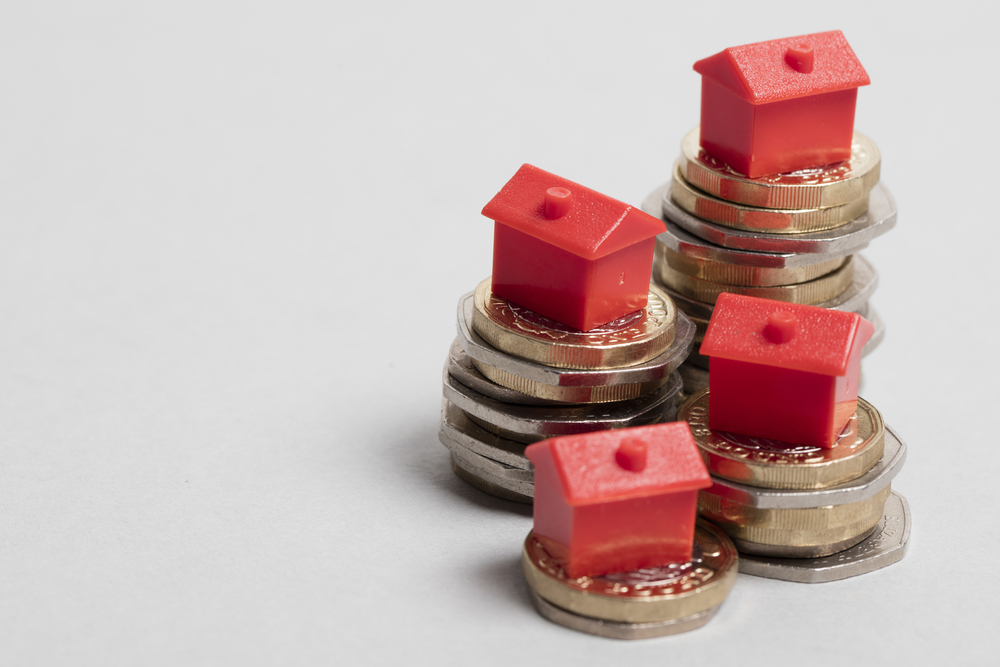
(620, 500)
(782, 105)
(783, 371)
(568, 252)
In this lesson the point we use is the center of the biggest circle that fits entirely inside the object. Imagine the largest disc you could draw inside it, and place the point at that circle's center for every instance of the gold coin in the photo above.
(769, 220)
(601, 394)
(646, 595)
(735, 274)
(780, 465)
(817, 187)
(811, 528)
(815, 291)
(627, 341)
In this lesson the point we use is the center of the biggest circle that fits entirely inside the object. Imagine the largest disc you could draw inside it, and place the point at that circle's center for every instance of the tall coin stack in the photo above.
(792, 237)
(803, 513)
(513, 377)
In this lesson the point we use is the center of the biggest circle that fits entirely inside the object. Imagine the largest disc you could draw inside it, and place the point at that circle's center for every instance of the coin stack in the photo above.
(514, 377)
(791, 237)
(803, 513)
(650, 602)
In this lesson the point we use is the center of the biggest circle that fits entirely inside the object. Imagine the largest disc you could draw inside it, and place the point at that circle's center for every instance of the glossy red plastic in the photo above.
(783, 371)
(781, 105)
(619, 500)
(568, 252)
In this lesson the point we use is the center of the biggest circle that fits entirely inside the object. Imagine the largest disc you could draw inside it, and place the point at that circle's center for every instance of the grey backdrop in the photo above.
(233, 238)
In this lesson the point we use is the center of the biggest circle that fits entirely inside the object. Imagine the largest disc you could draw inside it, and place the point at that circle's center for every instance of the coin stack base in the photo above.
(650, 602)
(614, 630)
(884, 546)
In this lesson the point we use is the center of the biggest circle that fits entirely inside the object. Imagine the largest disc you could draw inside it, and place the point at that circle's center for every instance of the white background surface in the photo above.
(233, 238)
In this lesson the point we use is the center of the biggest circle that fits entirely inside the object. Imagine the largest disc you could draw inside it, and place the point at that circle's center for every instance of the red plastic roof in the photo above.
(821, 343)
(584, 466)
(595, 226)
(759, 73)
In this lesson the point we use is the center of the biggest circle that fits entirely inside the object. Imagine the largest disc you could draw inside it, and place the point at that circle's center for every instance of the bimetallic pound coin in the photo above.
(627, 341)
(817, 187)
(856, 490)
(616, 630)
(657, 368)
(642, 596)
(844, 240)
(755, 219)
(738, 274)
(530, 423)
(818, 290)
(886, 545)
(801, 533)
(854, 298)
(780, 465)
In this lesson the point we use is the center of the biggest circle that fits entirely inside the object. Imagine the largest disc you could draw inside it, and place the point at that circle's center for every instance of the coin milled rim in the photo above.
(739, 274)
(530, 423)
(818, 290)
(628, 341)
(768, 220)
(809, 527)
(616, 630)
(886, 545)
(654, 369)
(697, 590)
(854, 298)
(818, 187)
(774, 465)
(847, 239)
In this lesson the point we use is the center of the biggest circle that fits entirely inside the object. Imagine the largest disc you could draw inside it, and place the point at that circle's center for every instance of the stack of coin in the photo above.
(803, 513)
(651, 602)
(514, 377)
(790, 237)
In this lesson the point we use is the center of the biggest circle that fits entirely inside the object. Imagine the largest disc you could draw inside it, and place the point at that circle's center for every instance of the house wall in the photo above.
(803, 132)
(726, 125)
(624, 535)
(771, 402)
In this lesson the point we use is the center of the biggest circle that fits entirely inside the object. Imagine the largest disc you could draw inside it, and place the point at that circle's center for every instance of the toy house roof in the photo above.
(595, 225)
(821, 342)
(585, 469)
(760, 74)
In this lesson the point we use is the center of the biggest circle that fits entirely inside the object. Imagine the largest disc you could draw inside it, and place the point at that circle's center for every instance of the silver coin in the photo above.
(654, 369)
(695, 379)
(844, 240)
(856, 490)
(851, 300)
(696, 359)
(685, 243)
(494, 486)
(617, 630)
(872, 316)
(531, 423)
(885, 546)
(462, 369)
(457, 430)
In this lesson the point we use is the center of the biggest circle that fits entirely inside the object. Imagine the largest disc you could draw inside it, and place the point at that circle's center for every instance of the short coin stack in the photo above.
(514, 377)
(790, 237)
(803, 513)
(650, 602)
